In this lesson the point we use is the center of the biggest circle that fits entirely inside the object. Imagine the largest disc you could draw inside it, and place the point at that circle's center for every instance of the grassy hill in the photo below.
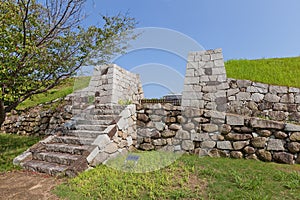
(275, 71)
(60, 91)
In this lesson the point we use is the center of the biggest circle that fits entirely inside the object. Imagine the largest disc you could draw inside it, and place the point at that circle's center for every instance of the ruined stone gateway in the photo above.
(217, 117)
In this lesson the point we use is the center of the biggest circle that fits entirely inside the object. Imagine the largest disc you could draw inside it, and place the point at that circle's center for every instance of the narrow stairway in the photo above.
(65, 152)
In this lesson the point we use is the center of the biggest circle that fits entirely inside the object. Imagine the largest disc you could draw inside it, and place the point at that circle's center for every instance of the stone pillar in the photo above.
(205, 81)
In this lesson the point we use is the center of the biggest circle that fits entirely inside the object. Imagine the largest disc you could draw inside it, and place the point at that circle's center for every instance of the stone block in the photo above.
(175, 127)
(99, 158)
(146, 146)
(237, 137)
(101, 141)
(249, 150)
(259, 142)
(236, 154)
(272, 98)
(287, 98)
(111, 148)
(278, 89)
(297, 99)
(257, 97)
(199, 137)
(209, 128)
(208, 144)
(292, 128)
(283, 157)
(266, 124)
(219, 63)
(231, 92)
(187, 145)
(294, 147)
(240, 145)
(243, 96)
(295, 137)
(280, 135)
(264, 133)
(264, 155)
(236, 120)
(224, 145)
(275, 145)
(218, 70)
(182, 134)
(243, 83)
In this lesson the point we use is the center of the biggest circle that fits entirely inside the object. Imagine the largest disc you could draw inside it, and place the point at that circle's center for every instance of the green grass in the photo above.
(60, 91)
(275, 71)
(11, 146)
(189, 177)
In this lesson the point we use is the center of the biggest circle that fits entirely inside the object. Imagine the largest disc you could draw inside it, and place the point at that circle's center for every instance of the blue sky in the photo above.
(243, 29)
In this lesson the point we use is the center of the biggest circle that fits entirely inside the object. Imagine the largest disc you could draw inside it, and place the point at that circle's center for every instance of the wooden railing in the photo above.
(175, 102)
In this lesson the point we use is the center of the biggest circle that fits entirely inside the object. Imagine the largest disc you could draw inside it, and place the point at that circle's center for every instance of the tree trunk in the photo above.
(2, 113)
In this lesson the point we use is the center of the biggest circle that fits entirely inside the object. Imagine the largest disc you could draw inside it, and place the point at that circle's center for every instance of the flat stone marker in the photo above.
(133, 158)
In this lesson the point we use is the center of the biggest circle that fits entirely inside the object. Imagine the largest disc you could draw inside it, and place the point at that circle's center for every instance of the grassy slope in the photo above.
(12, 146)
(190, 177)
(60, 91)
(276, 71)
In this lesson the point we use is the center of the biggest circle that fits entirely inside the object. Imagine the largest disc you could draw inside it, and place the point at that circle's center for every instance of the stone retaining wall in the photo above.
(37, 121)
(206, 87)
(249, 98)
(175, 128)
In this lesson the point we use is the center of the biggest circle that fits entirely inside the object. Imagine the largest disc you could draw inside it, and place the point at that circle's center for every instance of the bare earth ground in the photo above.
(27, 185)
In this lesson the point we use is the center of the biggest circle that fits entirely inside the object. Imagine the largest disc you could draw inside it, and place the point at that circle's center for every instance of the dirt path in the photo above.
(27, 185)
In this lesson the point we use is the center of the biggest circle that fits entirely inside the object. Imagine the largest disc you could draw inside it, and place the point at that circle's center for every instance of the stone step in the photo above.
(105, 112)
(93, 122)
(73, 140)
(85, 116)
(84, 133)
(55, 157)
(68, 148)
(45, 167)
(91, 127)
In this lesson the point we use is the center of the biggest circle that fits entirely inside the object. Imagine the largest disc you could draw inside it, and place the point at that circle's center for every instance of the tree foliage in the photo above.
(43, 42)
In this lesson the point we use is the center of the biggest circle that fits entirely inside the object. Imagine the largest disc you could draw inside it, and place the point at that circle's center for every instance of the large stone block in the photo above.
(295, 137)
(224, 145)
(266, 124)
(292, 128)
(294, 147)
(187, 145)
(259, 142)
(208, 144)
(278, 89)
(272, 98)
(275, 145)
(283, 157)
(236, 120)
(240, 145)
(237, 137)
(264, 155)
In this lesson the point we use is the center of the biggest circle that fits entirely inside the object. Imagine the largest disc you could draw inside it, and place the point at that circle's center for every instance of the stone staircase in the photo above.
(65, 152)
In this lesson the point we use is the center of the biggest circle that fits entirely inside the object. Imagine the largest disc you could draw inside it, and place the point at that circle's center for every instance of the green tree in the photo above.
(44, 42)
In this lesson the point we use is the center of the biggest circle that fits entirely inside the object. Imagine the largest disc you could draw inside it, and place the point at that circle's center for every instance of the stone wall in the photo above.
(249, 98)
(205, 81)
(37, 121)
(207, 87)
(113, 84)
(175, 128)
